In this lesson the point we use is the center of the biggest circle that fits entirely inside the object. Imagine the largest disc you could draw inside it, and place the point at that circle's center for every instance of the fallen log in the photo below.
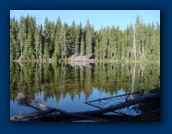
(34, 114)
(89, 115)
(152, 116)
(134, 101)
(22, 99)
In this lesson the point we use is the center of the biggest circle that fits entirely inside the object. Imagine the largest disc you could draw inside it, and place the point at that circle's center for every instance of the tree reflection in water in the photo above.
(63, 80)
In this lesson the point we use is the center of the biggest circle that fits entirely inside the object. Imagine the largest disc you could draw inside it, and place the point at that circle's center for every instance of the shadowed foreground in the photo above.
(148, 102)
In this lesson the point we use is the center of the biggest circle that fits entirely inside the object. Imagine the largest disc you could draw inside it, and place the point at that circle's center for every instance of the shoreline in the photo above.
(86, 61)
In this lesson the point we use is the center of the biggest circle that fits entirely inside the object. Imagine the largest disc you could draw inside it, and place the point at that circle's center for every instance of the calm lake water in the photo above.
(69, 86)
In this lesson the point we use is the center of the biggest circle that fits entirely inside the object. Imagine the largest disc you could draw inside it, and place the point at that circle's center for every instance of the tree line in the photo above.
(32, 41)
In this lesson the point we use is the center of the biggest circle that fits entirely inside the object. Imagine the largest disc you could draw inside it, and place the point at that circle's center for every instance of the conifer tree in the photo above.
(88, 39)
(82, 45)
(14, 47)
(71, 37)
(58, 28)
(63, 41)
(22, 35)
(78, 39)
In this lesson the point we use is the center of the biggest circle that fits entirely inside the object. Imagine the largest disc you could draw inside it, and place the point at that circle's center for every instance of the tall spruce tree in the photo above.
(77, 39)
(71, 37)
(22, 35)
(63, 43)
(112, 42)
(14, 47)
(56, 54)
(82, 47)
(88, 39)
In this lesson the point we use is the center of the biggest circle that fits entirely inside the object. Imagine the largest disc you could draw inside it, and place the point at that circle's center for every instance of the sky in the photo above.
(97, 18)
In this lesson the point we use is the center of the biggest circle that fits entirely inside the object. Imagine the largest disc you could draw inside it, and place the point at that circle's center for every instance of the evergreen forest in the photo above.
(55, 41)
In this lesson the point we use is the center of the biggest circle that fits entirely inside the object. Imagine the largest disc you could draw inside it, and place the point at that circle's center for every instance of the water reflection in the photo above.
(67, 86)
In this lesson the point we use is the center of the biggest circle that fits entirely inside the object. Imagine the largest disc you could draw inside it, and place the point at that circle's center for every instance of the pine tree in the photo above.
(112, 42)
(14, 47)
(138, 38)
(63, 41)
(28, 52)
(157, 43)
(97, 46)
(143, 43)
(46, 52)
(40, 43)
(58, 28)
(36, 42)
(78, 39)
(88, 39)
(118, 44)
(104, 45)
(49, 36)
(129, 47)
(29, 43)
(22, 35)
(71, 37)
(52, 33)
(134, 45)
(82, 52)
(149, 34)
(124, 45)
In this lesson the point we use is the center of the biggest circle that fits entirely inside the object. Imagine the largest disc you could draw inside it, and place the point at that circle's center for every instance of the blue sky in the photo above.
(97, 18)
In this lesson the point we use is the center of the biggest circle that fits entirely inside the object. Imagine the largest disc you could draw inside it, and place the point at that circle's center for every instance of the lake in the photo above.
(68, 86)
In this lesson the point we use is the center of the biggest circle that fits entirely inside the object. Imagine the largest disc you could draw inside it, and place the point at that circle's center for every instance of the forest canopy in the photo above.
(54, 40)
